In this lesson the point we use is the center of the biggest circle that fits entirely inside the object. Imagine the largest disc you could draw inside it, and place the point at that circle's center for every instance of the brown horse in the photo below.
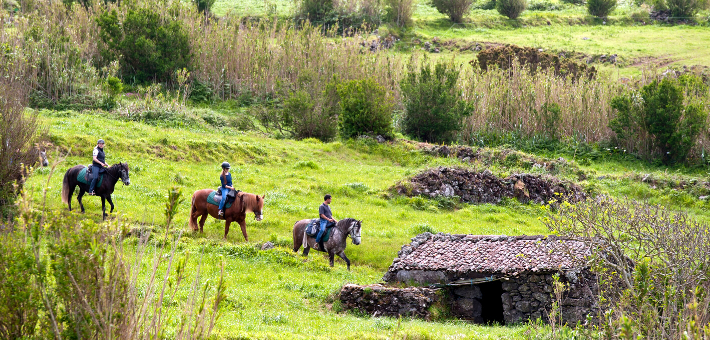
(245, 202)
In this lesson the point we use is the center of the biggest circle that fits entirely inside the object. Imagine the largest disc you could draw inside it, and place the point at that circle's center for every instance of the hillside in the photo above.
(275, 294)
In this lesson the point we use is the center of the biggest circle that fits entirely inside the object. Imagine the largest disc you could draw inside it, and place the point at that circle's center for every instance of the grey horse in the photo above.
(337, 241)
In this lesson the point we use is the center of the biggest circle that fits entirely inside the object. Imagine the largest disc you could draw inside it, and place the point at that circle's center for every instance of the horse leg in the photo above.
(243, 225)
(71, 193)
(331, 256)
(342, 256)
(202, 222)
(110, 201)
(103, 207)
(78, 198)
(306, 250)
(226, 227)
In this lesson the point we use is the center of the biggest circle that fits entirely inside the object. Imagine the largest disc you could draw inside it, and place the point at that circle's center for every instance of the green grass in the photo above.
(277, 294)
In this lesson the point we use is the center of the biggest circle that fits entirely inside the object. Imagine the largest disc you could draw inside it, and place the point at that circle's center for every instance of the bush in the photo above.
(399, 12)
(315, 11)
(683, 9)
(454, 9)
(510, 8)
(148, 47)
(656, 122)
(365, 109)
(204, 6)
(652, 266)
(434, 107)
(600, 8)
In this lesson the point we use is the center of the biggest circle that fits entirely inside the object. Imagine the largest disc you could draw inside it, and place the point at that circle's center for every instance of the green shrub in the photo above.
(201, 92)
(20, 301)
(365, 109)
(399, 12)
(511, 8)
(315, 11)
(148, 47)
(600, 8)
(454, 9)
(204, 6)
(434, 107)
(657, 116)
(683, 9)
(305, 119)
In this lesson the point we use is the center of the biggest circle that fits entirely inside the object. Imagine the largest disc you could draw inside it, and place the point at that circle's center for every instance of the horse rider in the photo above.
(98, 165)
(226, 179)
(326, 218)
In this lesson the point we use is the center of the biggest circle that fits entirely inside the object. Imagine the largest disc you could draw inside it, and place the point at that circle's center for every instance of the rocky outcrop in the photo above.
(378, 300)
(484, 187)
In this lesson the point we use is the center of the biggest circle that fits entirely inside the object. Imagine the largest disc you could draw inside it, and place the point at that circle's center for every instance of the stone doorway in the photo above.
(491, 302)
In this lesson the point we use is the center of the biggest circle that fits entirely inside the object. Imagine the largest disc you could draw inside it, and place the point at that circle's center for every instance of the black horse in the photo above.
(111, 177)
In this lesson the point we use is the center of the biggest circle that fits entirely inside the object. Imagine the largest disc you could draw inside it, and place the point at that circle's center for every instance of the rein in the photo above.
(109, 173)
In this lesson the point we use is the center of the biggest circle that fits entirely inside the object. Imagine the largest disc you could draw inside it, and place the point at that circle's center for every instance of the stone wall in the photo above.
(378, 300)
(530, 296)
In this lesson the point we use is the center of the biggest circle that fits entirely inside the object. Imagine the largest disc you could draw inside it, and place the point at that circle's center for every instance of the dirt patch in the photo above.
(484, 187)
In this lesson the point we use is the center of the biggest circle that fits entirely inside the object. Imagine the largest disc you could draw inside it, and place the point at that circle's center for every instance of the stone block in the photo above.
(523, 306)
(472, 292)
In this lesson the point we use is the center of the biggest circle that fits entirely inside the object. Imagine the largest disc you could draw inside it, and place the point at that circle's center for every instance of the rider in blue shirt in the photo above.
(226, 179)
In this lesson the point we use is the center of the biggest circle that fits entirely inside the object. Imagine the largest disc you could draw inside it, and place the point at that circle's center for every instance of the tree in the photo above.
(510, 8)
(600, 8)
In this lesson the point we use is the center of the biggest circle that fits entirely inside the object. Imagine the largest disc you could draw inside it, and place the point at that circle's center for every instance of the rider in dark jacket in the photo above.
(226, 179)
(98, 164)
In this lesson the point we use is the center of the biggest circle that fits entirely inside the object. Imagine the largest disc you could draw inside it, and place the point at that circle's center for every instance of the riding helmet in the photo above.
(101, 141)
(225, 165)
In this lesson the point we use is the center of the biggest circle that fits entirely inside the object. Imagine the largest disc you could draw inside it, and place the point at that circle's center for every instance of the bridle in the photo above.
(121, 171)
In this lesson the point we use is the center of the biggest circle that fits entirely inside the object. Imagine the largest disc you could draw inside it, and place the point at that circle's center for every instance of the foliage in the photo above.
(342, 15)
(655, 122)
(600, 8)
(534, 60)
(511, 8)
(365, 109)
(399, 12)
(20, 300)
(652, 264)
(19, 130)
(684, 9)
(434, 107)
(454, 9)
(204, 6)
(148, 46)
(171, 206)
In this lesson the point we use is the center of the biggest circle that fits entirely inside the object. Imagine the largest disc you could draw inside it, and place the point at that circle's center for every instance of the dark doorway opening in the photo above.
(492, 302)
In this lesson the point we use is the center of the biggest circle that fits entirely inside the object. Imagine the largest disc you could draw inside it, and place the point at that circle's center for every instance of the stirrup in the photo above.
(220, 213)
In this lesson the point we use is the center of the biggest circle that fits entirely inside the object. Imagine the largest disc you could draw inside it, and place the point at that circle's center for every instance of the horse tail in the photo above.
(297, 237)
(65, 188)
(193, 213)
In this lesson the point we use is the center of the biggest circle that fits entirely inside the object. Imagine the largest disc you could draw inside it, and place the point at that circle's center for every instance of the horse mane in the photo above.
(250, 200)
(345, 222)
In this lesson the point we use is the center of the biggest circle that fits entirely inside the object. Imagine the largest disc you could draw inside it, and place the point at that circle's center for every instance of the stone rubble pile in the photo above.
(484, 187)
(378, 300)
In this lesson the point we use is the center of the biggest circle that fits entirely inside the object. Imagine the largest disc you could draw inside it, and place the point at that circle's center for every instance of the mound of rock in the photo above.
(484, 187)
(379, 300)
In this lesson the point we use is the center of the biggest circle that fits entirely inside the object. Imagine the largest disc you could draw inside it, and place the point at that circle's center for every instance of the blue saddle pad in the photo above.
(82, 178)
(212, 200)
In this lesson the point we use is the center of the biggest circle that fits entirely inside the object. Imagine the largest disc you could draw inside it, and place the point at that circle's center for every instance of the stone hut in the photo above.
(503, 279)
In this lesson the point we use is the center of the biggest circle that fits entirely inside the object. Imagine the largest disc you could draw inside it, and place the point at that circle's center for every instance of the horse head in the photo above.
(257, 207)
(123, 174)
(43, 157)
(354, 231)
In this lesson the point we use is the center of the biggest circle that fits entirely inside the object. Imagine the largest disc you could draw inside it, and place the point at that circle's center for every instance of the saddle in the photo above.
(231, 196)
(314, 225)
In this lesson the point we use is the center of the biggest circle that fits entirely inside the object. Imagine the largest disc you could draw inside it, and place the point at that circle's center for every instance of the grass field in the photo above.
(276, 294)
(638, 45)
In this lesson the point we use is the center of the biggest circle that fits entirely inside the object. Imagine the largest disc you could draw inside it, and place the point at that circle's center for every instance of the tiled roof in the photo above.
(509, 255)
